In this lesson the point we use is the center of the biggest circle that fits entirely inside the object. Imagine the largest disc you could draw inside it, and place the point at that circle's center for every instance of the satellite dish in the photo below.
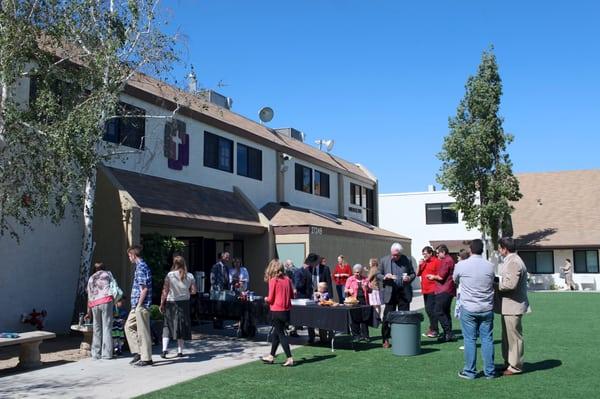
(266, 114)
(329, 144)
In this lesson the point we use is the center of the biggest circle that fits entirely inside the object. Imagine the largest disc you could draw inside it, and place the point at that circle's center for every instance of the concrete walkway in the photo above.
(212, 351)
(117, 379)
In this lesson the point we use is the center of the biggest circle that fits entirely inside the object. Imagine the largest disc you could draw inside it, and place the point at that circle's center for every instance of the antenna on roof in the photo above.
(192, 81)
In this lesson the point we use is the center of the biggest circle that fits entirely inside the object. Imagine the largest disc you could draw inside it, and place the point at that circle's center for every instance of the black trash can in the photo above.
(406, 332)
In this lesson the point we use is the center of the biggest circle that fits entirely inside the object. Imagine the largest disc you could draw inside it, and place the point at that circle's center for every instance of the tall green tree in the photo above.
(76, 57)
(476, 167)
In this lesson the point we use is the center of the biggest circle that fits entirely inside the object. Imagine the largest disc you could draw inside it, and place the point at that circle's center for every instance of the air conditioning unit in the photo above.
(291, 132)
(216, 98)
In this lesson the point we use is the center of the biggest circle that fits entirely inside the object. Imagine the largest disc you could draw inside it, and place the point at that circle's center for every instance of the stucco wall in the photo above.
(405, 214)
(40, 272)
(306, 200)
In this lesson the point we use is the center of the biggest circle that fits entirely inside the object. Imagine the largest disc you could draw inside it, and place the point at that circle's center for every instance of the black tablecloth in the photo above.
(233, 310)
(336, 318)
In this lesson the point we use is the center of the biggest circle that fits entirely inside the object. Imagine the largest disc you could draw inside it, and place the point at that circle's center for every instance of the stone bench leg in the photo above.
(29, 357)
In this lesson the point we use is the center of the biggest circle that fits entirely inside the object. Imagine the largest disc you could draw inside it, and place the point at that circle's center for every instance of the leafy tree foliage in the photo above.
(476, 167)
(74, 58)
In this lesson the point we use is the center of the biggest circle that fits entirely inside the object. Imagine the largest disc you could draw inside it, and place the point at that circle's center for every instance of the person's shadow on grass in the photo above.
(541, 366)
(313, 359)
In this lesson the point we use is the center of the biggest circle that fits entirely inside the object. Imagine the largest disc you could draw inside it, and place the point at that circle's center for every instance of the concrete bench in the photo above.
(586, 282)
(29, 355)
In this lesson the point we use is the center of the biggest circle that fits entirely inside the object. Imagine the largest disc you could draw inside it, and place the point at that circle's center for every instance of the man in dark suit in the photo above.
(396, 275)
(303, 283)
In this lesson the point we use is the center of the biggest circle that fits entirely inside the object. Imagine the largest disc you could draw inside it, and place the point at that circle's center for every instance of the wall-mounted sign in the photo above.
(176, 145)
(355, 210)
(316, 231)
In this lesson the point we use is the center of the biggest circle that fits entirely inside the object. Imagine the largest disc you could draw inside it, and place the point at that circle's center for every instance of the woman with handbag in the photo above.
(100, 289)
(280, 302)
(175, 305)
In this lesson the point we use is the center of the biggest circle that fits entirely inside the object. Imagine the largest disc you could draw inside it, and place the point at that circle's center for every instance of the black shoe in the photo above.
(144, 363)
(164, 354)
(136, 358)
(179, 354)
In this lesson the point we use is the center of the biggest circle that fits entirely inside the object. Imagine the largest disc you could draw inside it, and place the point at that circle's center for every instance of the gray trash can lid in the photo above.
(404, 317)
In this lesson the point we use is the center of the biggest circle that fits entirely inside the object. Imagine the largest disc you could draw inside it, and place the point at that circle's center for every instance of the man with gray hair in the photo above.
(395, 274)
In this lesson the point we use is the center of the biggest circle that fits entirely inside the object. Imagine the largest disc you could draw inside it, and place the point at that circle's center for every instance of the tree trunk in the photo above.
(3, 99)
(87, 248)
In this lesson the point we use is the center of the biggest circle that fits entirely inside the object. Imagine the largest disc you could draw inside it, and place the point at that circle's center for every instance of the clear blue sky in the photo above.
(381, 78)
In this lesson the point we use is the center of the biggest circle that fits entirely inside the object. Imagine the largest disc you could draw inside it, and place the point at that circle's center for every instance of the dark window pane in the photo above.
(127, 130)
(210, 150)
(544, 262)
(298, 177)
(255, 163)
(303, 178)
(592, 261)
(242, 160)
(225, 154)
(440, 214)
(433, 213)
(580, 261)
(317, 183)
(307, 180)
(449, 215)
(218, 152)
(324, 185)
(529, 258)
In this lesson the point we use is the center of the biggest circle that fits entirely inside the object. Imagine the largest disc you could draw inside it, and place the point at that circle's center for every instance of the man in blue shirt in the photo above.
(475, 276)
(137, 326)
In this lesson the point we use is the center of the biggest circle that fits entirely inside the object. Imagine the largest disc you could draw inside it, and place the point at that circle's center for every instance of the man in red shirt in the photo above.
(445, 290)
(340, 274)
(428, 266)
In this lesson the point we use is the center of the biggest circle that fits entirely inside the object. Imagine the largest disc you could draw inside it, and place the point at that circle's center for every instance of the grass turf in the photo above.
(561, 361)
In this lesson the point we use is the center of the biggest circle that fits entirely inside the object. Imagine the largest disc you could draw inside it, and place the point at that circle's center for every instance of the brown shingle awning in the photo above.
(176, 204)
(291, 219)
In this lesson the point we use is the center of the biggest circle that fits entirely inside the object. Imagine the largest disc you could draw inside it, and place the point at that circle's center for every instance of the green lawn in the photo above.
(562, 354)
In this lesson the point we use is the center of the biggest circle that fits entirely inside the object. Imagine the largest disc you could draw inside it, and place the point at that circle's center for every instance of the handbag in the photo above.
(114, 290)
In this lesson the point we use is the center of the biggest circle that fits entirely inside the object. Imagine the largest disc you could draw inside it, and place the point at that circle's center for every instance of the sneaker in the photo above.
(432, 334)
(386, 344)
(179, 354)
(464, 375)
(144, 363)
(491, 377)
(164, 354)
(136, 358)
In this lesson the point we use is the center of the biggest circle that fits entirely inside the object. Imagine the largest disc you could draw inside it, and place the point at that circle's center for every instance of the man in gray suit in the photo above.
(511, 302)
(395, 274)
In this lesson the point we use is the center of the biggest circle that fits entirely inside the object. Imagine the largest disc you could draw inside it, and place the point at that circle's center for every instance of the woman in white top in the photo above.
(175, 305)
(239, 276)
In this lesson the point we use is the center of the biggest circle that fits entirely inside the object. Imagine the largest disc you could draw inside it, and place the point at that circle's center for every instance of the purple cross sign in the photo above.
(176, 145)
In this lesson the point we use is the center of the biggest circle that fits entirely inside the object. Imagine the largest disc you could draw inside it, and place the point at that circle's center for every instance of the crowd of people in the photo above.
(385, 283)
